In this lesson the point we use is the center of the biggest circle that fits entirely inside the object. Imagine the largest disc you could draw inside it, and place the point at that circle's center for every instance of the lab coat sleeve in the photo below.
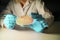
(46, 14)
(5, 11)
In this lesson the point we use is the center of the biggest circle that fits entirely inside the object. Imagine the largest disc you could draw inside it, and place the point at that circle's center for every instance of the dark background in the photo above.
(52, 5)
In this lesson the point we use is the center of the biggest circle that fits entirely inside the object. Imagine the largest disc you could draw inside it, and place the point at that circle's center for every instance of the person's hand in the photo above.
(38, 26)
(9, 21)
(39, 23)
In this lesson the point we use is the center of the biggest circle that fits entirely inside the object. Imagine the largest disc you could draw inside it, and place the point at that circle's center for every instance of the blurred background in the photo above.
(52, 5)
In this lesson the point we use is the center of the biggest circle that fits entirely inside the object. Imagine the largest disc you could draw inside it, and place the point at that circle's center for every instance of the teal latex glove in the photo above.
(39, 23)
(38, 26)
(10, 21)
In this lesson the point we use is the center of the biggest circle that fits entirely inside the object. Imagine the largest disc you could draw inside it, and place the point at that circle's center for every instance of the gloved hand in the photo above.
(38, 24)
(9, 21)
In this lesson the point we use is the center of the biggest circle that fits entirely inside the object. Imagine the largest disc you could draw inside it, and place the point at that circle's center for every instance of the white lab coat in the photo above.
(34, 6)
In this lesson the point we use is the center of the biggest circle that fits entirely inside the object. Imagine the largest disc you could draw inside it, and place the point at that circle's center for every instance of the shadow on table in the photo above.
(54, 29)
